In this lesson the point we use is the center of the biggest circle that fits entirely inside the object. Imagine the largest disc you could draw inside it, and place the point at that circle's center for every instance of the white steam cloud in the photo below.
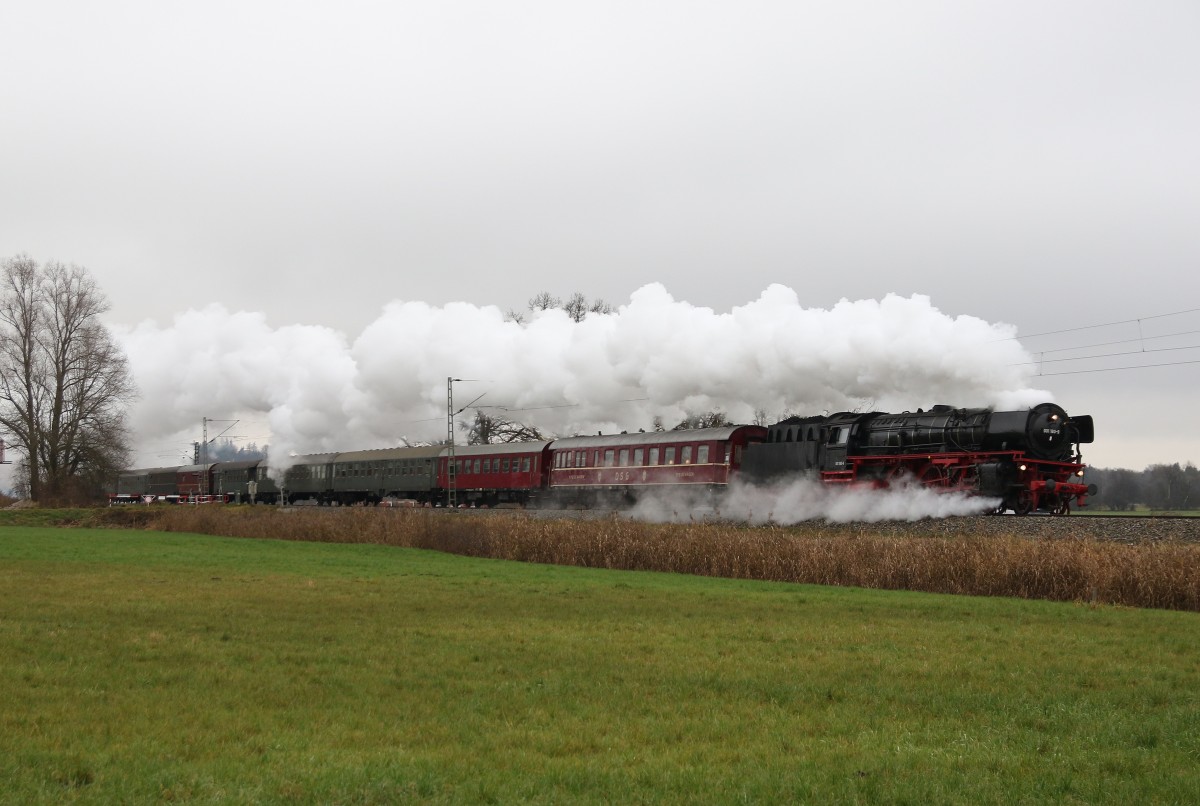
(655, 356)
(807, 499)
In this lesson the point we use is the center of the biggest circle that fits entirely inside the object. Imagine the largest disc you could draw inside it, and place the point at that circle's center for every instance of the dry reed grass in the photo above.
(1159, 574)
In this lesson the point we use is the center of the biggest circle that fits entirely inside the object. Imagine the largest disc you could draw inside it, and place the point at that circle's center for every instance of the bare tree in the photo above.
(64, 382)
(576, 307)
(706, 419)
(544, 302)
(600, 306)
(489, 429)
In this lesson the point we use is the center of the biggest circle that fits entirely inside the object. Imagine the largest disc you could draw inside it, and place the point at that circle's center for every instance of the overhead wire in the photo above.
(1104, 324)
(1141, 339)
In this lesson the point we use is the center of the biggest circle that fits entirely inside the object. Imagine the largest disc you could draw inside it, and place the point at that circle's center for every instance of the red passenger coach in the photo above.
(620, 467)
(193, 480)
(493, 475)
(195, 484)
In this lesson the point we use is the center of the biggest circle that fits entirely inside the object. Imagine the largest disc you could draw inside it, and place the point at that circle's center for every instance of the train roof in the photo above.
(655, 437)
(311, 459)
(536, 446)
(145, 471)
(240, 464)
(386, 454)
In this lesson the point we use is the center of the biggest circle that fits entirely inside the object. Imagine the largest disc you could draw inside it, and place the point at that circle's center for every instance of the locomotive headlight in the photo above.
(1079, 473)
(1022, 468)
(1054, 418)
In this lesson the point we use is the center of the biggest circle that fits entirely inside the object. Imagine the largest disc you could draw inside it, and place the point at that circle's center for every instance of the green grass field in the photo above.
(143, 666)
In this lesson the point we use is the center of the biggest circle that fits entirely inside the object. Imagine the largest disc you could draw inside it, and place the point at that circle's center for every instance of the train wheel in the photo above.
(932, 476)
(965, 479)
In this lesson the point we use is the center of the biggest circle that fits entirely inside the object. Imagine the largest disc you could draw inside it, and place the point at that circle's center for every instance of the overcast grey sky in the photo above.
(1034, 164)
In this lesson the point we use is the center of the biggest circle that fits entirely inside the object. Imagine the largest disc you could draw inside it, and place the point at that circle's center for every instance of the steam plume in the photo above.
(655, 356)
(797, 500)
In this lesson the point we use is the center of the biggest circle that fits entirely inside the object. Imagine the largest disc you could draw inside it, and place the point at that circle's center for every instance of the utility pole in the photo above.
(452, 467)
(204, 450)
(204, 459)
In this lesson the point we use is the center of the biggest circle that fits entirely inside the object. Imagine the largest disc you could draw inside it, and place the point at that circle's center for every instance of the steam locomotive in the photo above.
(1026, 460)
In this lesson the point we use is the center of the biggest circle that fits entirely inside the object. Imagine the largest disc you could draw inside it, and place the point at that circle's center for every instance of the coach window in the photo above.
(702, 455)
(638, 455)
(581, 458)
(653, 457)
(487, 465)
(504, 465)
(525, 465)
(623, 457)
(669, 458)
(608, 458)
(687, 455)
(476, 469)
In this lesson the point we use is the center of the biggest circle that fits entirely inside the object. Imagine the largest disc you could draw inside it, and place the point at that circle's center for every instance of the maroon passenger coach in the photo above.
(614, 467)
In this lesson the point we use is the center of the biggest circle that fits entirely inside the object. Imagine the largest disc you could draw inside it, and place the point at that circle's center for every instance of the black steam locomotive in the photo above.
(1029, 460)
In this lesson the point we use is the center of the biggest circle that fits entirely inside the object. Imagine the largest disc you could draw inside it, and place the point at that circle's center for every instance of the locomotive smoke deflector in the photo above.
(1084, 430)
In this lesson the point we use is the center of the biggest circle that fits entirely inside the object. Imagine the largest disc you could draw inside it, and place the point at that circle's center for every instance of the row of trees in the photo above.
(577, 306)
(64, 382)
(1158, 487)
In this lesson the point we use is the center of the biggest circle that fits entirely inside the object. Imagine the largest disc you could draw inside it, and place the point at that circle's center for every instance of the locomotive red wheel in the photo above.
(966, 479)
(932, 476)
